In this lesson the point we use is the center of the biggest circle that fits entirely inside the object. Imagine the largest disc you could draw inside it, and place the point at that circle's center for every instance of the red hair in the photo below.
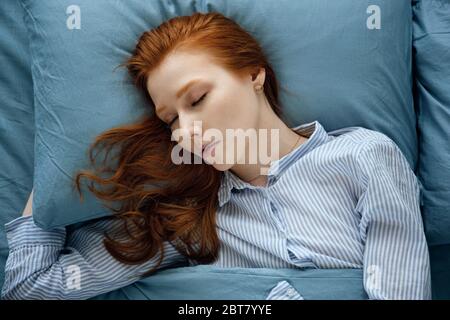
(162, 201)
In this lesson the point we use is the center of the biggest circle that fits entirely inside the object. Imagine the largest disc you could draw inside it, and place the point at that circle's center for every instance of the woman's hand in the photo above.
(28, 211)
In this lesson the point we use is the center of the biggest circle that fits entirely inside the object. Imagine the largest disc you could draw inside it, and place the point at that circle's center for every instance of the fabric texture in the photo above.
(16, 120)
(432, 68)
(431, 62)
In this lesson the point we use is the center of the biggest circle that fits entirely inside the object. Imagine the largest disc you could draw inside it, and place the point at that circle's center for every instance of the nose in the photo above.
(190, 129)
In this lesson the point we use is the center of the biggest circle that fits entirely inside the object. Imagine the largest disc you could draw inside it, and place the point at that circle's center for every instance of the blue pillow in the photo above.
(344, 63)
(432, 64)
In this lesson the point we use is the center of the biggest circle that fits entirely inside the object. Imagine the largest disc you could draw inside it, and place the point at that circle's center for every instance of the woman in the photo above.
(343, 199)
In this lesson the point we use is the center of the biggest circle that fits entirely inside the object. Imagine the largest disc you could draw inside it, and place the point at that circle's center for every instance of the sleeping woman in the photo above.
(341, 199)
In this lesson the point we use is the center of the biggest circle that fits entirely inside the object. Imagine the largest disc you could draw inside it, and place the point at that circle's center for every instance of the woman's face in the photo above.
(202, 99)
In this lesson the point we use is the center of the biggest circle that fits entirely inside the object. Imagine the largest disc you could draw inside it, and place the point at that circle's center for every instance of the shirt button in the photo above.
(291, 292)
(272, 205)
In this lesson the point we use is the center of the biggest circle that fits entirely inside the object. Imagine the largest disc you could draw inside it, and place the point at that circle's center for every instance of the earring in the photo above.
(258, 88)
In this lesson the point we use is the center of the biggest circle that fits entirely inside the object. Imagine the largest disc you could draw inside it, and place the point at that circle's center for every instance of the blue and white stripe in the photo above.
(343, 199)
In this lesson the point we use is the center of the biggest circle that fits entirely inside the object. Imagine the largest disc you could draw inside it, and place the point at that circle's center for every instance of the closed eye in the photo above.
(193, 104)
(199, 100)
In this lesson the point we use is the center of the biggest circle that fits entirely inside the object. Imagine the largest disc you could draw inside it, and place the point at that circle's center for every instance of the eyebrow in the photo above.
(182, 91)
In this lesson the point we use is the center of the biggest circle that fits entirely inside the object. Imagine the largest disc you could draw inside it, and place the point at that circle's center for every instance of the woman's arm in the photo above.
(28, 210)
(396, 258)
(45, 265)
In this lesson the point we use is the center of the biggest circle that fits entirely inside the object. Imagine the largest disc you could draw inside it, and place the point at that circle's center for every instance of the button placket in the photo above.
(276, 216)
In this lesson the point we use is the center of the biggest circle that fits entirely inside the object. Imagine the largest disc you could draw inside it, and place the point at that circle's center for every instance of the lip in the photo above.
(207, 148)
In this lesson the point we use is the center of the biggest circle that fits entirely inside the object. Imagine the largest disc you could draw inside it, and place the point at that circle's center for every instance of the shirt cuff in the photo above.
(22, 231)
(284, 291)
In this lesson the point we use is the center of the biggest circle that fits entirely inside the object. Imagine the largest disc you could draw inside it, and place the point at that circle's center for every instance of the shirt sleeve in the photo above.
(396, 258)
(45, 265)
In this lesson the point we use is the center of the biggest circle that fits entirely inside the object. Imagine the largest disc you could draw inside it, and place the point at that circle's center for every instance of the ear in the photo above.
(258, 77)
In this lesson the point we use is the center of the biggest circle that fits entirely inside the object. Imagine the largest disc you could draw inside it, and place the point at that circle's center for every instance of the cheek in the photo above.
(233, 109)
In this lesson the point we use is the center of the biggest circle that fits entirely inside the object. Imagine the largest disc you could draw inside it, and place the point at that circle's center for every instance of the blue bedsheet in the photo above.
(200, 282)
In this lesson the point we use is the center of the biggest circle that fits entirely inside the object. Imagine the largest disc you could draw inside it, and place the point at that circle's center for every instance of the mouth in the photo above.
(207, 147)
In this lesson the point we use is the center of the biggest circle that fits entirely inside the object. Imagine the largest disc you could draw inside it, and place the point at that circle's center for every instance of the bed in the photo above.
(18, 174)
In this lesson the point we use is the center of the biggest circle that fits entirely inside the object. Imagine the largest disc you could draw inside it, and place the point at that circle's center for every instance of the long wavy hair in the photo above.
(159, 200)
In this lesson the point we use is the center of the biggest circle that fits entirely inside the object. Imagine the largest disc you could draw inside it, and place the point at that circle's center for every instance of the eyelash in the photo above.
(194, 104)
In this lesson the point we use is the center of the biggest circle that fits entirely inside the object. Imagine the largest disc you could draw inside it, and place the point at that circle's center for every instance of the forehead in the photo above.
(176, 70)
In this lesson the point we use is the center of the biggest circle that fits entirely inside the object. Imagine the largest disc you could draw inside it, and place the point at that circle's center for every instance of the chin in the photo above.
(222, 167)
